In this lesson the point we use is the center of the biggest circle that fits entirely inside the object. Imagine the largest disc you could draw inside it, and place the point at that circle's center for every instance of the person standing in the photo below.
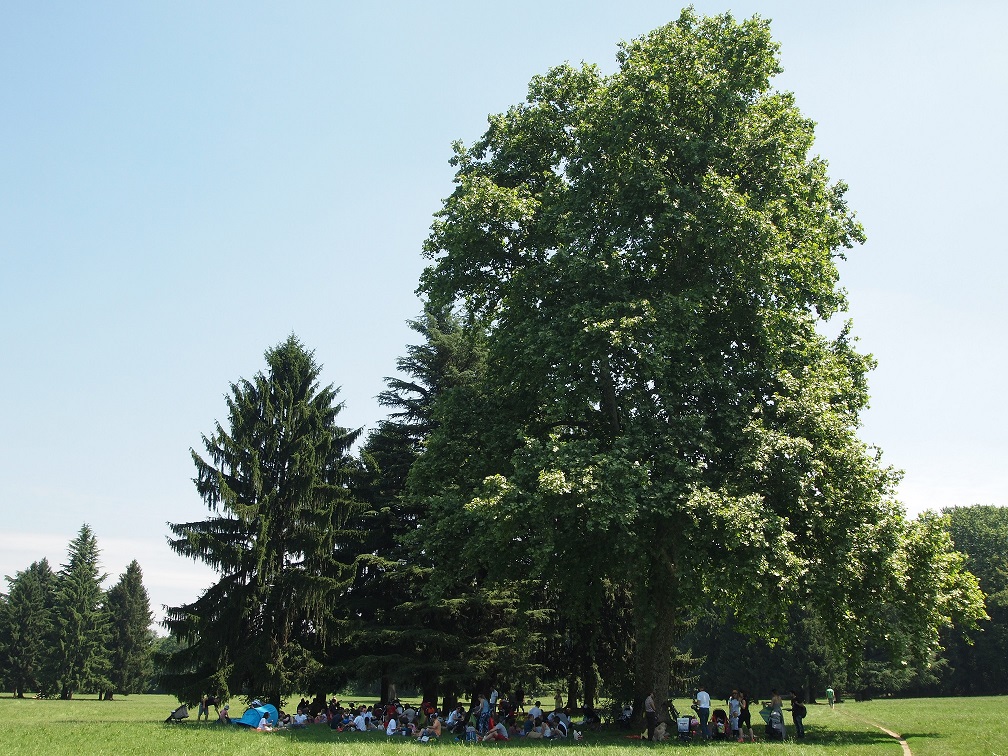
(483, 723)
(798, 712)
(830, 696)
(745, 722)
(777, 707)
(650, 714)
(734, 711)
(703, 711)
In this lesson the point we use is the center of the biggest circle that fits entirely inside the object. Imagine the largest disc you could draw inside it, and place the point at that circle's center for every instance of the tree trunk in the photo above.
(450, 700)
(383, 688)
(657, 625)
(429, 691)
(590, 678)
(573, 691)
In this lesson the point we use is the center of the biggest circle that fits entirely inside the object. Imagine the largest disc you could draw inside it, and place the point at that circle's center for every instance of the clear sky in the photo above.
(184, 184)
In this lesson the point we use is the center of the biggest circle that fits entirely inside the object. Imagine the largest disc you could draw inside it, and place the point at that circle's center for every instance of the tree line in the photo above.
(61, 633)
(621, 454)
(621, 434)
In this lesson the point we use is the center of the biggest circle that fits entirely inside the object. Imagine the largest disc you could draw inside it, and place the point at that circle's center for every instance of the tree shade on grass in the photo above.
(135, 725)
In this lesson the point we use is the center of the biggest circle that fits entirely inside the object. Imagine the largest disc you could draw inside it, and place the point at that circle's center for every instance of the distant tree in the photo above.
(164, 647)
(77, 651)
(978, 660)
(130, 641)
(282, 534)
(25, 624)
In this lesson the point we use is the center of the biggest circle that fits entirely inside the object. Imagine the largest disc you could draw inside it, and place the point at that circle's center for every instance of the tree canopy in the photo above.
(652, 253)
(282, 535)
(623, 433)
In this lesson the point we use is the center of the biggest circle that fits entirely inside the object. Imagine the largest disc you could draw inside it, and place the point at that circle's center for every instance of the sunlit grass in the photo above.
(135, 725)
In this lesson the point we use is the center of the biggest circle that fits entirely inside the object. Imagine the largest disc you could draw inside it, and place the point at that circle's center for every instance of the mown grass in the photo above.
(135, 725)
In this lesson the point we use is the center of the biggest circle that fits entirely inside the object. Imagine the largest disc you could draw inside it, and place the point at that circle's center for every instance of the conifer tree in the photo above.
(130, 640)
(77, 655)
(25, 622)
(282, 534)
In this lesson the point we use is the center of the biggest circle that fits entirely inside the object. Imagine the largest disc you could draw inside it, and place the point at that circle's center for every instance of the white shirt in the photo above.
(360, 722)
(392, 727)
(703, 700)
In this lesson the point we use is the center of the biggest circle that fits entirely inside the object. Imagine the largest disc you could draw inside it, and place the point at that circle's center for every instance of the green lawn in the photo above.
(135, 725)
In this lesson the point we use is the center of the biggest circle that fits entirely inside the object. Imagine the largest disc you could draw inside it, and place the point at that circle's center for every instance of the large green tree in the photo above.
(25, 624)
(77, 647)
(978, 661)
(130, 641)
(283, 534)
(422, 626)
(654, 251)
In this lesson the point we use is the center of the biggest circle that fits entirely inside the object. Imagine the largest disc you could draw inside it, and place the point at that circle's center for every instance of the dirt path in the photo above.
(890, 733)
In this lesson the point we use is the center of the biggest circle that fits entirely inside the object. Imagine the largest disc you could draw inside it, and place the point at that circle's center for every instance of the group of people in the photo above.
(483, 721)
(733, 722)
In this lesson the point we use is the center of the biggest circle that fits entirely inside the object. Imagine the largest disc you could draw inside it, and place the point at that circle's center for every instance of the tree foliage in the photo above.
(652, 252)
(281, 534)
(130, 641)
(77, 657)
(977, 658)
(25, 625)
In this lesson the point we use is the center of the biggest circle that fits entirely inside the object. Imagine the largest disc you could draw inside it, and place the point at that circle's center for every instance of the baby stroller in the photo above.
(774, 723)
(682, 724)
(182, 712)
(719, 724)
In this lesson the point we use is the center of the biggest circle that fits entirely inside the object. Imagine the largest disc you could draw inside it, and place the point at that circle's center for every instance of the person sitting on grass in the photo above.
(360, 723)
(456, 720)
(433, 730)
(223, 716)
(496, 732)
(537, 729)
(560, 729)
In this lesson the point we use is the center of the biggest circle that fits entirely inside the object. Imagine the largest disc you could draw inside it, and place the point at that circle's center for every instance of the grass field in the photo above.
(135, 725)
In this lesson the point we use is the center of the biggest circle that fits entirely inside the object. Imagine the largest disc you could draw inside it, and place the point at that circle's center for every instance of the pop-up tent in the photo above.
(252, 717)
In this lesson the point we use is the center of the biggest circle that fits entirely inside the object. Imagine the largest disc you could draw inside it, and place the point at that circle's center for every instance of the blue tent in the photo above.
(252, 717)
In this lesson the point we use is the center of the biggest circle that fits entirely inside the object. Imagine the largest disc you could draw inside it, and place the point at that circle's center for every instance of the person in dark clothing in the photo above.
(798, 712)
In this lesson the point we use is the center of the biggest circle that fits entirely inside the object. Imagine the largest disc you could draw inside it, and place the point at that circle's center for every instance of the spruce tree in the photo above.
(283, 534)
(78, 652)
(130, 639)
(25, 622)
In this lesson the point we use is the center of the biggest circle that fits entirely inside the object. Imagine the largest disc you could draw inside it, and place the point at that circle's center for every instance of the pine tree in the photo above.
(77, 655)
(25, 622)
(282, 534)
(130, 639)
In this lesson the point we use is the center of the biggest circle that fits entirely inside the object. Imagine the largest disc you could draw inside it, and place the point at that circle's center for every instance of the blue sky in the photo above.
(182, 185)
